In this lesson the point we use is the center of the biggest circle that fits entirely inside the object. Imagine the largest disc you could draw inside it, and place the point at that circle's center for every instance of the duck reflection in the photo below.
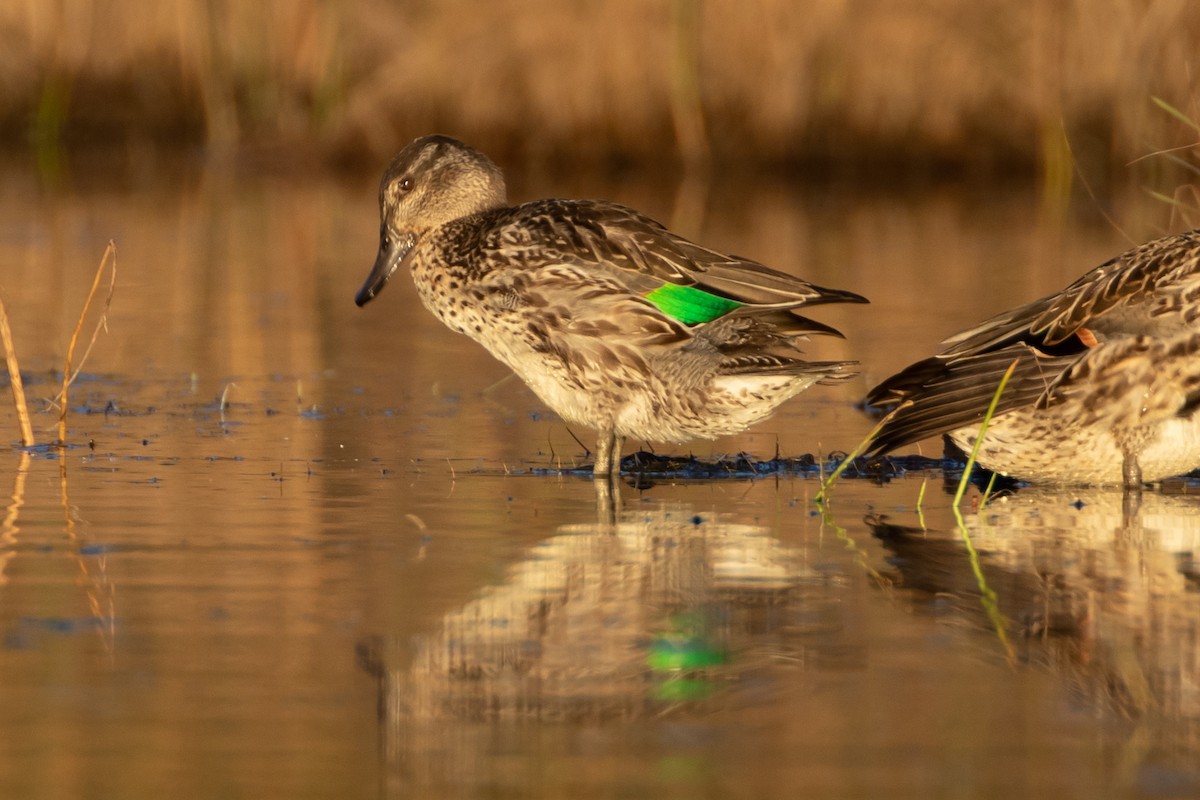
(1101, 586)
(606, 622)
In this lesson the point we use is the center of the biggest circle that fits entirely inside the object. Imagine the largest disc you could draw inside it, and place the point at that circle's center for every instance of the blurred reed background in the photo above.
(866, 87)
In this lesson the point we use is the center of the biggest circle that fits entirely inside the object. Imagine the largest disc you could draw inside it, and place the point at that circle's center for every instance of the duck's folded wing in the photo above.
(632, 242)
(940, 394)
(1154, 280)
(688, 282)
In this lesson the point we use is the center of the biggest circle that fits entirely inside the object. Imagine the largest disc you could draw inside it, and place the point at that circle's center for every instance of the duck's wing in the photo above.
(745, 344)
(560, 301)
(689, 282)
(643, 245)
(939, 395)
(1127, 295)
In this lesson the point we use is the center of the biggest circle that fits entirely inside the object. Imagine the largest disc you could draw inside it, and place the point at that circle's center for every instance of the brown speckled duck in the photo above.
(1106, 384)
(616, 323)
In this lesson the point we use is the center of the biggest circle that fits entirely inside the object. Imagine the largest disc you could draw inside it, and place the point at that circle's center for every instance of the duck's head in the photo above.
(434, 180)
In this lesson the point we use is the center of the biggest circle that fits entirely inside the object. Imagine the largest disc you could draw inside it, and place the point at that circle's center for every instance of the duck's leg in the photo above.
(606, 476)
(603, 464)
(615, 466)
(1131, 473)
(608, 455)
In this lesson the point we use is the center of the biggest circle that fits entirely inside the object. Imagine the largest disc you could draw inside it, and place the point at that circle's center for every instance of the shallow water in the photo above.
(345, 580)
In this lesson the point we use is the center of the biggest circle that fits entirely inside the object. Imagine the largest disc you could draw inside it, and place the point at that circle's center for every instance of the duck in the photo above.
(1105, 380)
(613, 321)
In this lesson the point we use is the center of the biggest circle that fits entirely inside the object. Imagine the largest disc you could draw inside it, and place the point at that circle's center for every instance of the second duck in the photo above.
(1106, 383)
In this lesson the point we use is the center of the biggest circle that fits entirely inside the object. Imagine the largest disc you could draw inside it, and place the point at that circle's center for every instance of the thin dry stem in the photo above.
(14, 375)
(108, 259)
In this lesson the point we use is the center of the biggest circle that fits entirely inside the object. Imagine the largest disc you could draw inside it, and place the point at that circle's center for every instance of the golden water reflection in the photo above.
(660, 612)
(297, 550)
(680, 616)
(1100, 587)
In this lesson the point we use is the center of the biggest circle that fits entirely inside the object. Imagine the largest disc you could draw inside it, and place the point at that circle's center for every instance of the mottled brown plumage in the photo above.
(615, 322)
(1104, 385)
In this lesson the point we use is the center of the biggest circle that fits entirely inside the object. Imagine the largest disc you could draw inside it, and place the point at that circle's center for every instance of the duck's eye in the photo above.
(406, 184)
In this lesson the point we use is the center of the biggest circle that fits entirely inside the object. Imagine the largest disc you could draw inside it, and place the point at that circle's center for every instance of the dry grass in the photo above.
(14, 377)
(71, 368)
(108, 263)
(983, 83)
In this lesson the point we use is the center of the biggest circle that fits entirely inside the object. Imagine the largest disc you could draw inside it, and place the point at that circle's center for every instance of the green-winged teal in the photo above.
(1106, 384)
(615, 322)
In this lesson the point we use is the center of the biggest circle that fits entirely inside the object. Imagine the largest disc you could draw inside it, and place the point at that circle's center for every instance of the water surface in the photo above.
(297, 548)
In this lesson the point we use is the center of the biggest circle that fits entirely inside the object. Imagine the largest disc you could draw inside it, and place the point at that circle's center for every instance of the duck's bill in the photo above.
(392, 250)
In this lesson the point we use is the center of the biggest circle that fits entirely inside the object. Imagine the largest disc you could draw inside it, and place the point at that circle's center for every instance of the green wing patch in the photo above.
(690, 305)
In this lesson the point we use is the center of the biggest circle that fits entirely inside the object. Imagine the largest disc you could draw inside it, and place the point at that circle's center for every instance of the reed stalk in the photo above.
(109, 259)
(14, 377)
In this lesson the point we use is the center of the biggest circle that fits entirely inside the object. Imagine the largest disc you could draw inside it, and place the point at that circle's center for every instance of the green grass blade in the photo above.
(1179, 204)
(987, 492)
(987, 597)
(1176, 113)
(921, 506)
(827, 484)
(987, 418)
